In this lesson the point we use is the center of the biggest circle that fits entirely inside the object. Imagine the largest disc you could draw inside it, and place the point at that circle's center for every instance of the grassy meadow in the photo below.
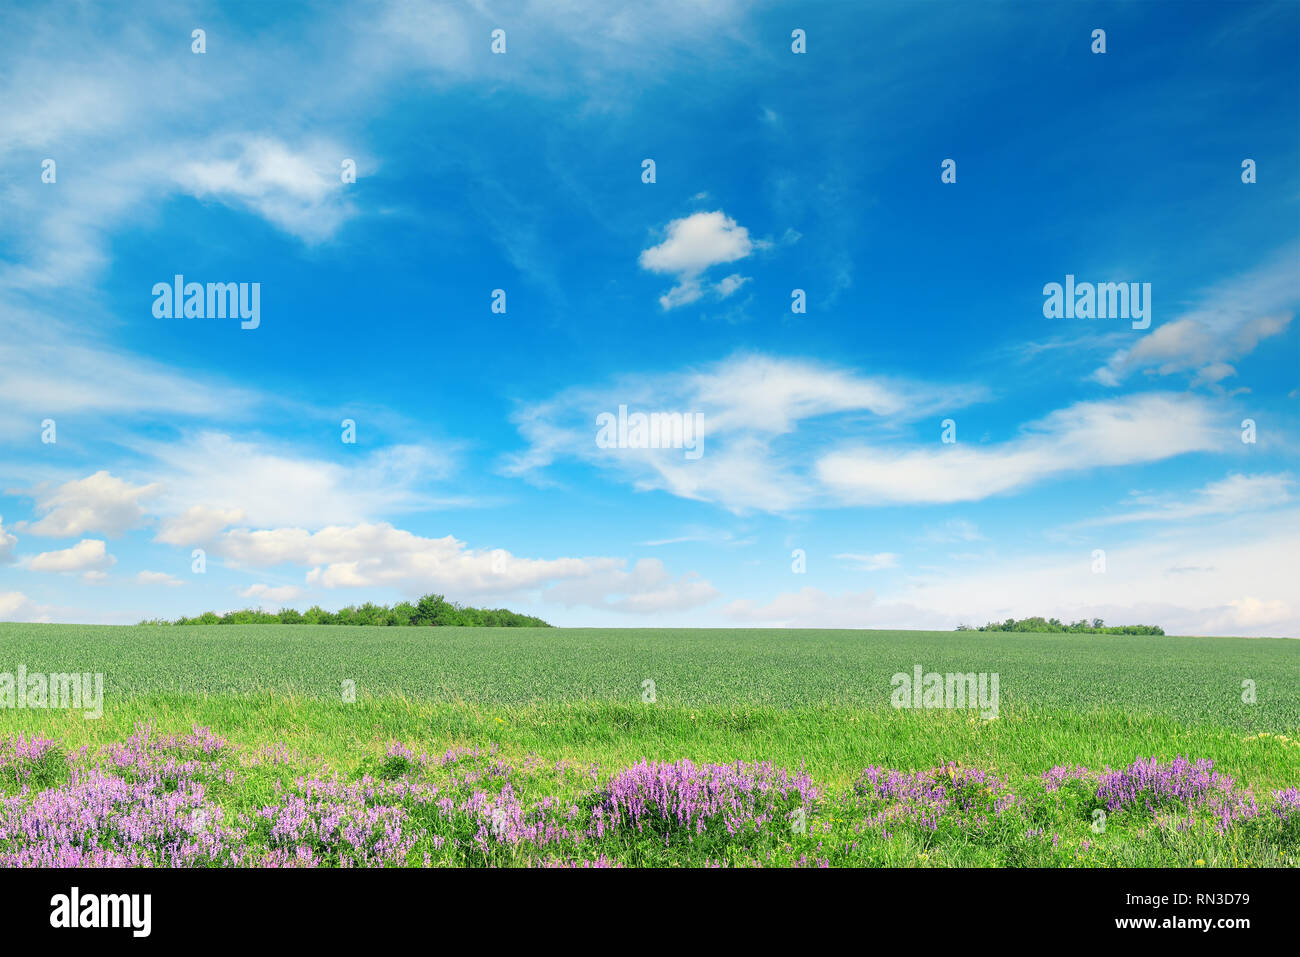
(536, 746)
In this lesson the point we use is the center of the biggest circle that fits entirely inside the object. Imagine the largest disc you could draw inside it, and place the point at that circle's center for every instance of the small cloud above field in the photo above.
(1250, 615)
(275, 594)
(381, 555)
(157, 578)
(15, 606)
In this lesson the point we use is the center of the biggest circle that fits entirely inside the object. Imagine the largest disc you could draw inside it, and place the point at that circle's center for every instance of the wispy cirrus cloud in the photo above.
(868, 563)
(775, 437)
(1141, 428)
(761, 416)
(1228, 496)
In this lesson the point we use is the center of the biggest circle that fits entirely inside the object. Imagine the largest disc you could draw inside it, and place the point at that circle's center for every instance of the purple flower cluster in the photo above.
(1151, 783)
(104, 820)
(966, 795)
(692, 798)
(1179, 788)
(20, 754)
(1055, 779)
(1286, 805)
(364, 823)
(159, 800)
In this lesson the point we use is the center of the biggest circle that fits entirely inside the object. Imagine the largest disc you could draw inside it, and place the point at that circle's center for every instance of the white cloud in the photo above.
(273, 594)
(7, 543)
(1229, 322)
(197, 525)
(299, 191)
(645, 590)
(54, 368)
(1187, 579)
(97, 503)
(751, 405)
(379, 555)
(691, 246)
(807, 608)
(1251, 615)
(954, 530)
(210, 477)
(869, 563)
(1228, 496)
(15, 606)
(89, 556)
(1141, 428)
(1234, 578)
(157, 578)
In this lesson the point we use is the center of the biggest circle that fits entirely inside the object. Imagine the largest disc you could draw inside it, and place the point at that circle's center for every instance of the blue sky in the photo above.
(476, 470)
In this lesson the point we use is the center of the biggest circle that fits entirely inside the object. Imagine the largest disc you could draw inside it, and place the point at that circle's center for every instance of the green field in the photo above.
(564, 710)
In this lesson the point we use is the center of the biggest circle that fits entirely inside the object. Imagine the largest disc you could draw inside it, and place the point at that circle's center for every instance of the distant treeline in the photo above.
(431, 610)
(1055, 625)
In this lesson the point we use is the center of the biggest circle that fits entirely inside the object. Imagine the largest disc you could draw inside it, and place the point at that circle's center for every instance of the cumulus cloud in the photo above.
(375, 555)
(690, 247)
(1228, 324)
(89, 556)
(97, 503)
(15, 606)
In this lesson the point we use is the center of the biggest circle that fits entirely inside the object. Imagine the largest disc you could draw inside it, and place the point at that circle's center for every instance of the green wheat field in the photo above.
(635, 747)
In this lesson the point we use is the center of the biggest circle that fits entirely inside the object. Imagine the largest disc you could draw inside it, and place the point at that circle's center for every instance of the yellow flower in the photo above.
(1200, 861)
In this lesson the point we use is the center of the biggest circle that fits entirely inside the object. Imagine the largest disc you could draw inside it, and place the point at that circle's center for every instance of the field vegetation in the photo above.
(243, 746)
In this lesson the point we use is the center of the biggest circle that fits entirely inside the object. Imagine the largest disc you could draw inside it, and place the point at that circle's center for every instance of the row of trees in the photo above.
(1055, 625)
(431, 610)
